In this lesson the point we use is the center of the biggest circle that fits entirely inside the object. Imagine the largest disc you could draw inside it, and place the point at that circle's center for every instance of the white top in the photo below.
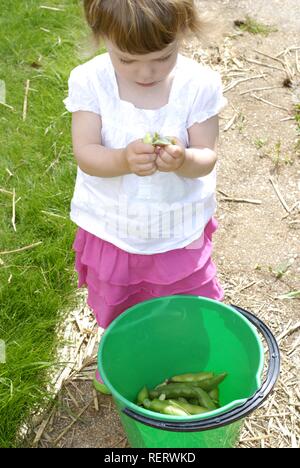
(144, 215)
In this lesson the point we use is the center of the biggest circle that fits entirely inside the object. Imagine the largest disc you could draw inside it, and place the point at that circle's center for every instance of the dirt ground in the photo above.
(257, 244)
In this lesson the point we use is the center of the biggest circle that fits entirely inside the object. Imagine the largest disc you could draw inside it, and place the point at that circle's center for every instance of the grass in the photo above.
(276, 154)
(279, 157)
(297, 119)
(252, 26)
(260, 143)
(37, 285)
(290, 295)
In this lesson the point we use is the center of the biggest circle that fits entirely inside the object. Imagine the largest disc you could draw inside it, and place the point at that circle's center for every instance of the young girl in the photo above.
(144, 212)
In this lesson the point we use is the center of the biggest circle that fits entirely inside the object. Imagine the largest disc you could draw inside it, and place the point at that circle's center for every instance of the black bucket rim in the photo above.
(237, 413)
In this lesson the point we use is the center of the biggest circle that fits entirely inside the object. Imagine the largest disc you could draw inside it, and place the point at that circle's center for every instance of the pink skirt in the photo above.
(117, 280)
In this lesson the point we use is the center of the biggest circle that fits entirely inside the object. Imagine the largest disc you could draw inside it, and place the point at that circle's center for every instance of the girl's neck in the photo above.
(146, 98)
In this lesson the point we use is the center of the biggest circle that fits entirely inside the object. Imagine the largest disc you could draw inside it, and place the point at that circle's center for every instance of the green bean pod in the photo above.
(157, 140)
(162, 141)
(184, 400)
(210, 384)
(214, 394)
(143, 395)
(164, 407)
(148, 139)
(205, 400)
(191, 409)
(193, 401)
(177, 390)
(196, 377)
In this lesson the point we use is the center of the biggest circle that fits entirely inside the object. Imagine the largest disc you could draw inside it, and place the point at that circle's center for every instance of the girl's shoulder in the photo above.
(92, 69)
(197, 76)
(89, 85)
(201, 91)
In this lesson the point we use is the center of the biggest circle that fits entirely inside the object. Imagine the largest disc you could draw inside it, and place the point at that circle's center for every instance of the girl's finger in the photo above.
(146, 167)
(142, 148)
(177, 154)
(166, 157)
(162, 166)
(147, 173)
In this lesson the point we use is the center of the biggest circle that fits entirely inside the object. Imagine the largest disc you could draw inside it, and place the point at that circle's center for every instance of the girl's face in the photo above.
(143, 71)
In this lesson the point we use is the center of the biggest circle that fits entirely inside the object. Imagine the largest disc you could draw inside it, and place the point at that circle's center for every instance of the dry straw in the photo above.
(276, 423)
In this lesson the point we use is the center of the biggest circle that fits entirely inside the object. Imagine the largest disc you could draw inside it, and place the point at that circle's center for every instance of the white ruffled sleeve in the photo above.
(82, 96)
(209, 100)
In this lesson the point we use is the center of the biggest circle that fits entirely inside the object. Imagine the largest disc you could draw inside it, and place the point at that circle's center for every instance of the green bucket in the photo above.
(173, 335)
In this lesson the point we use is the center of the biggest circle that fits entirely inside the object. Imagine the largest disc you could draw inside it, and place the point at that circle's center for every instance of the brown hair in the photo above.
(143, 26)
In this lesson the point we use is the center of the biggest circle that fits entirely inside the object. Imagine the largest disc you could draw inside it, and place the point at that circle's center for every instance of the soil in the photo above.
(256, 247)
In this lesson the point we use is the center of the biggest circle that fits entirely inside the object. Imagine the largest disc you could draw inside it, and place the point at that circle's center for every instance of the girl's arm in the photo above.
(201, 156)
(96, 160)
(93, 158)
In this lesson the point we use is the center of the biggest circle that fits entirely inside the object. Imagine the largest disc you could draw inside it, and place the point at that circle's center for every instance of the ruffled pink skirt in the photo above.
(117, 280)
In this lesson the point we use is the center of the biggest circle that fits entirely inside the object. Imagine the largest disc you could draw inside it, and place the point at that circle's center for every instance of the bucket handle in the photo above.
(238, 412)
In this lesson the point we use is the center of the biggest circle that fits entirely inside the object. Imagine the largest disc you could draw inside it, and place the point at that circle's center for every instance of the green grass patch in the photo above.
(37, 175)
(297, 119)
(253, 26)
(290, 295)
(260, 143)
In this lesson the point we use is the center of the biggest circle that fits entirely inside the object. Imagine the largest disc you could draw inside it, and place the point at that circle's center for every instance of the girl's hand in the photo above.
(170, 158)
(141, 158)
